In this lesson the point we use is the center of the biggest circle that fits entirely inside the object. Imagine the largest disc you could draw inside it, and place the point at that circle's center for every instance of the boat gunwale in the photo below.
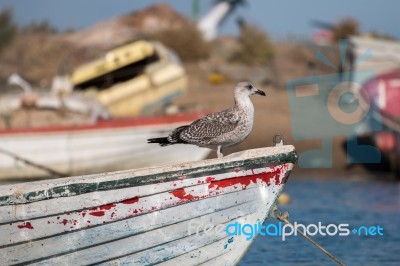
(133, 178)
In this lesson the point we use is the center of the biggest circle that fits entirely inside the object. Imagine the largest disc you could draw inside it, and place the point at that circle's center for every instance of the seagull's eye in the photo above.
(249, 87)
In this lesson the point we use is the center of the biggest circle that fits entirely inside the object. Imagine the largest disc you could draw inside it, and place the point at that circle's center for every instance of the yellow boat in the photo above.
(135, 79)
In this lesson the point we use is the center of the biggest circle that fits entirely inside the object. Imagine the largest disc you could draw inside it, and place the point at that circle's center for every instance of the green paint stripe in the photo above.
(82, 188)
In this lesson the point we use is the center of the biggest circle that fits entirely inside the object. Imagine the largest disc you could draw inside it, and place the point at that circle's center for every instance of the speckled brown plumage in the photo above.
(221, 129)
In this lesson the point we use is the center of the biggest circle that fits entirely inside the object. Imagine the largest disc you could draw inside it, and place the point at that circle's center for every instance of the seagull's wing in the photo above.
(210, 126)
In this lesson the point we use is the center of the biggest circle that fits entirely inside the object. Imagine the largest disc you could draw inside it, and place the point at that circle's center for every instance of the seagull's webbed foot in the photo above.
(219, 152)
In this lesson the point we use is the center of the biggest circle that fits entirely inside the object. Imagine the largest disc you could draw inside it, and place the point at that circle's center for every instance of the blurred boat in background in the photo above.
(98, 119)
(139, 78)
(380, 90)
(144, 216)
(107, 145)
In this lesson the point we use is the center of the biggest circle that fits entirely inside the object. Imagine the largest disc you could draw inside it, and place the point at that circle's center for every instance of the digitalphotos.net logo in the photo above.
(285, 230)
(249, 231)
(323, 107)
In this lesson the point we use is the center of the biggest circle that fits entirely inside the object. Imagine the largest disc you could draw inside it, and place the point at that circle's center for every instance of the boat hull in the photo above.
(375, 66)
(383, 92)
(105, 146)
(143, 216)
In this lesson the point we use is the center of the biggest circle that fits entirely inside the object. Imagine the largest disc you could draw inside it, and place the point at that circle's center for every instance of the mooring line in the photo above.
(284, 217)
(39, 166)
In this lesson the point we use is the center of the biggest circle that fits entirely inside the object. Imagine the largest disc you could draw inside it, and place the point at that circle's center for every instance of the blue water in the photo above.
(357, 203)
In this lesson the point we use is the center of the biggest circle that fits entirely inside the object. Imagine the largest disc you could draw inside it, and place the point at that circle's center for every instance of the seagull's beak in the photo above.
(260, 92)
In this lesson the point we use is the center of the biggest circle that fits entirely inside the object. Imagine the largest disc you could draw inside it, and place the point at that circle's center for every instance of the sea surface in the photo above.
(357, 203)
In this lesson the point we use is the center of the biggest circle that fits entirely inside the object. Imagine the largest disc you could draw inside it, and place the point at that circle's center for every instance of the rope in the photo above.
(39, 166)
(284, 217)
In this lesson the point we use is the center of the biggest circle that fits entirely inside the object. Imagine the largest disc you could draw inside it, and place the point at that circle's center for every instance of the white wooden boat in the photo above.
(142, 217)
(107, 145)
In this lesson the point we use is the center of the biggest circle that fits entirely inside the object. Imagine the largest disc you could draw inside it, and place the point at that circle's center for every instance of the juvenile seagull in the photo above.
(218, 130)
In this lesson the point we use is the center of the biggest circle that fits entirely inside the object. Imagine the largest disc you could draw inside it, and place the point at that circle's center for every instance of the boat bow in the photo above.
(144, 216)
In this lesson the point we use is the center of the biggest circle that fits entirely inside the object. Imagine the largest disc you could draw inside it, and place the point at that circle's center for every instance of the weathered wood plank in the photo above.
(121, 229)
(78, 185)
(89, 200)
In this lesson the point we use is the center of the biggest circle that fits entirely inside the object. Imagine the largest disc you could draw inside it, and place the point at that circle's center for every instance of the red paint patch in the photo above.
(245, 181)
(130, 201)
(64, 222)
(210, 179)
(98, 213)
(181, 193)
(26, 225)
(277, 179)
(106, 207)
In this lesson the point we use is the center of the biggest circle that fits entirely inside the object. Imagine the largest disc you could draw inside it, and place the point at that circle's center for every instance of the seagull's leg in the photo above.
(219, 152)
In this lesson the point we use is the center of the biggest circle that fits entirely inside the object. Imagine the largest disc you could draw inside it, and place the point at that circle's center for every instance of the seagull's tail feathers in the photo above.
(173, 138)
(162, 141)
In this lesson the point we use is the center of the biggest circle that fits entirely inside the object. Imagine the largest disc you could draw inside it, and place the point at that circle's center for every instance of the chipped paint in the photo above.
(130, 201)
(230, 240)
(183, 195)
(208, 186)
(26, 225)
(192, 172)
(97, 213)
(246, 180)
(209, 179)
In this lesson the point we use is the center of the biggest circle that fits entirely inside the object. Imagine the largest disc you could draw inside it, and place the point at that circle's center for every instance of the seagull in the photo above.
(218, 130)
